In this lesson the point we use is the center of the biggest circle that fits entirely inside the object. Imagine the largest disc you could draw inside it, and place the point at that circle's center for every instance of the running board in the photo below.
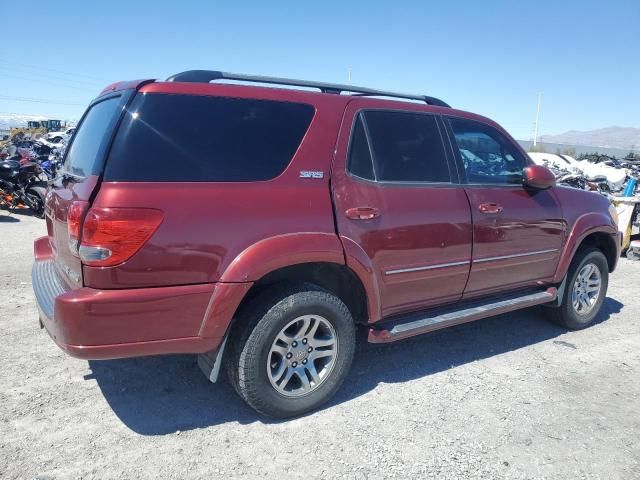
(406, 326)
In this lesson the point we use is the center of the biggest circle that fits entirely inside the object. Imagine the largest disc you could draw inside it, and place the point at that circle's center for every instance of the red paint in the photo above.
(58, 205)
(530, 220)
(126, 85)
(585, 213)
(411, 247)
(539, 177)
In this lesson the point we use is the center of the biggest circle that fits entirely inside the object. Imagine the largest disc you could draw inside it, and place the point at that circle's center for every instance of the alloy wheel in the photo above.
(302, 355)
(586, 289)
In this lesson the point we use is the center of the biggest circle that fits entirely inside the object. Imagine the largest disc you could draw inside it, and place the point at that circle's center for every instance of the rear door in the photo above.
(518, 232)
(79, 177)
(397, 200)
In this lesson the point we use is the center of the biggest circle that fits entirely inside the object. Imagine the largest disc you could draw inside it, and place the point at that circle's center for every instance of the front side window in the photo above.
(487, 155)
(406, 147)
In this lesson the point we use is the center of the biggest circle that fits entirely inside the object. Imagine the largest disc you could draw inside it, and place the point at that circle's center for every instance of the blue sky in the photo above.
(490, 57)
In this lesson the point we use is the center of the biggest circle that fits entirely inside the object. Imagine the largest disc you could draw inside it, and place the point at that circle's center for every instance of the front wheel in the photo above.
(293, 351)
(586, 289)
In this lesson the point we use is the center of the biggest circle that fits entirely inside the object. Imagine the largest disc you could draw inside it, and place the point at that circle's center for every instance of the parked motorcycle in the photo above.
(20, 187)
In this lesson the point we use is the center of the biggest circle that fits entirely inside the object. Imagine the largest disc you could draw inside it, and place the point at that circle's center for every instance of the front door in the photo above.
(518, 232)
(398, 201)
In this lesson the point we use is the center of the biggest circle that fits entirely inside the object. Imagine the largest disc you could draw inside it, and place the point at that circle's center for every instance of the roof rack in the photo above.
(206, 76)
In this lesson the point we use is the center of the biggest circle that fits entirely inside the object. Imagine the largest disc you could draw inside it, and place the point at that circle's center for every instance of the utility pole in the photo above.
(349, 75)
(535, 130)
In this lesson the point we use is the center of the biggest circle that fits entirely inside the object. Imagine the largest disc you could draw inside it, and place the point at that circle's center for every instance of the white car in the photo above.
(56, 137)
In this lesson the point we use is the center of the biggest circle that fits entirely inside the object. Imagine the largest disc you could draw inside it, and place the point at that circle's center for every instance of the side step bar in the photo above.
(398, 328)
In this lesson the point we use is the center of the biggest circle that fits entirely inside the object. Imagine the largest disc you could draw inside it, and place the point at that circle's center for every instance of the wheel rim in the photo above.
(586, 289)
(302, 355)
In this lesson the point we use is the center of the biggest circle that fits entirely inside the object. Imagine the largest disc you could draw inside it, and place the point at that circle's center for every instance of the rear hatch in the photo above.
(76, 183)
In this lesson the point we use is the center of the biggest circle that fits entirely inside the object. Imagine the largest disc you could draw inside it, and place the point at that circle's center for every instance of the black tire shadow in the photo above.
(8, 219)
(162, 395)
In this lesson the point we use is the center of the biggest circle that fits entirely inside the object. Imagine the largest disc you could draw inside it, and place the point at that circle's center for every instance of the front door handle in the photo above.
(490, 208)
(362, 213)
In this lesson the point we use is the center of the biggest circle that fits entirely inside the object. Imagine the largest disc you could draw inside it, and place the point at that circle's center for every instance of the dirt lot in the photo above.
(508, 397)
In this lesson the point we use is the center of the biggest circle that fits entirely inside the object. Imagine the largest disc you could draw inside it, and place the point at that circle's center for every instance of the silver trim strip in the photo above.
(515, 255)
(471, 311)
(427, 267)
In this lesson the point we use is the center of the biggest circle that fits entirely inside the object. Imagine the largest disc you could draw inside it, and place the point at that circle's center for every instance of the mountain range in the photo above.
(624, 138)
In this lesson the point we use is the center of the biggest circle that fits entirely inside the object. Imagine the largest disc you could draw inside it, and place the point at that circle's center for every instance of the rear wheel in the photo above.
(36, 196)
(586, 289)
(293, 351)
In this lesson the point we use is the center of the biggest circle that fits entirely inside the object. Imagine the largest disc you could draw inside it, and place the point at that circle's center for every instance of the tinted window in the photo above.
(488, 156)
(83, 157)
(407, 147)
(359, 154)
(187, 138)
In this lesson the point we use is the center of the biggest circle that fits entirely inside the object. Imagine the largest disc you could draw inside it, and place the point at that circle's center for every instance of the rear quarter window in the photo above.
(188, 138)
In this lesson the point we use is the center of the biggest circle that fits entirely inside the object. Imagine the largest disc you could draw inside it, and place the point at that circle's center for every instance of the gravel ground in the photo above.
(508, 397)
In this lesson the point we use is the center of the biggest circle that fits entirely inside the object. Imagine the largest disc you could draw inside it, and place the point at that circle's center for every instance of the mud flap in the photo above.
(560, 295)
(211, 362)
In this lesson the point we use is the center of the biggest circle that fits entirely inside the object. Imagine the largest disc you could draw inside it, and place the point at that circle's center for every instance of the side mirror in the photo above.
(538, 177)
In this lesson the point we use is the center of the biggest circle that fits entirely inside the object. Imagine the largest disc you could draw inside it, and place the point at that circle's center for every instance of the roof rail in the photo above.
(206, 76)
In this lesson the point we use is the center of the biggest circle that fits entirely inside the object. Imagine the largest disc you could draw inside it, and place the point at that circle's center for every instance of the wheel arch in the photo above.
(590, 230)
(605, 243)
(333, 277)
(316, 258)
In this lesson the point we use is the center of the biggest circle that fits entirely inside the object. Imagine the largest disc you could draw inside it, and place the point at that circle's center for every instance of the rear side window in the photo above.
(84, 155)
(407, 147)
(487, 155)
(188, 138)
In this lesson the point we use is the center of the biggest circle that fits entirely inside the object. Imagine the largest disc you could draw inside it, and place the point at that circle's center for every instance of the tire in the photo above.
(577, 318)
(256, 352)
(36, 196)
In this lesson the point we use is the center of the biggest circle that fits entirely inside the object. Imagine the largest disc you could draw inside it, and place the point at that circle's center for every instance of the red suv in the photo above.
(258, 227)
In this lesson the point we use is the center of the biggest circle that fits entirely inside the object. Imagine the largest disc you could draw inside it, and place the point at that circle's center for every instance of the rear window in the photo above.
(188, 138)
(84, 156)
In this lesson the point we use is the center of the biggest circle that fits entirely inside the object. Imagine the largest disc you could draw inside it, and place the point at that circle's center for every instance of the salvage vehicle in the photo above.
(265, 230)
(58, 136)
(611, 179)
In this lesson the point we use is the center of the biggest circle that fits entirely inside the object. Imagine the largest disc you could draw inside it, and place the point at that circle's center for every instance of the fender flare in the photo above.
(281, 251)
(360, 263)
(255, 262)
(585, 225)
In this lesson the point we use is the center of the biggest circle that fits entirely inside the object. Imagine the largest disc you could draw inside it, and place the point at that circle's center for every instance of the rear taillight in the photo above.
(75, 214)
(112, 235)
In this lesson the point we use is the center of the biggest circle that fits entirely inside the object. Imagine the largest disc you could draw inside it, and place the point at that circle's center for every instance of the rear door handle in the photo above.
(490, 208)
(362, 213)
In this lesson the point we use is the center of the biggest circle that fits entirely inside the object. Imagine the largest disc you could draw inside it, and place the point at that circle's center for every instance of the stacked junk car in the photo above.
(614, 178)
(28, 161)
